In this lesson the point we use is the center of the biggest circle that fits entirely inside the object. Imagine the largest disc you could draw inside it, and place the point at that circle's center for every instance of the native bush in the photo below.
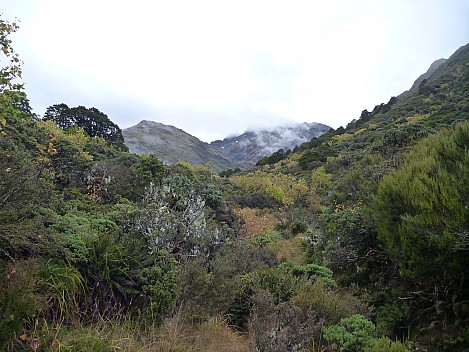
(354, 333)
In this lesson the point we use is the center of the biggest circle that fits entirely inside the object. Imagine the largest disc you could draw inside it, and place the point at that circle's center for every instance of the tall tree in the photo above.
(94, 122)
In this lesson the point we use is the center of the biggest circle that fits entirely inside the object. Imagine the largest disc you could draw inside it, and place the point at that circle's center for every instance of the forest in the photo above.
(357, 240)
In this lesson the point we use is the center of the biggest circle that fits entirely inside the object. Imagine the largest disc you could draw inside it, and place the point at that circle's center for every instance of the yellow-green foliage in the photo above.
(77, 138)
(327, 302)
(321, 180)
(360, 131)
(291, 249)
(285, 189)
(417, 117)
(371, 159)
(340, 138)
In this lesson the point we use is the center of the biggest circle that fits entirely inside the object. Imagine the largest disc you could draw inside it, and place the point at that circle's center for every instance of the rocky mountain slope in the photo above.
(245, 150)
(171, 145)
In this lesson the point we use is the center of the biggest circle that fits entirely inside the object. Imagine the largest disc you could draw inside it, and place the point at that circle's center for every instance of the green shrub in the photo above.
(297, 227)
(354, 333)
(393, 318)
(311, 271)
(327, 303)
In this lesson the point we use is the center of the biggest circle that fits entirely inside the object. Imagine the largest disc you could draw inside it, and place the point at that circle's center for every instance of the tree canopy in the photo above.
(94, 122)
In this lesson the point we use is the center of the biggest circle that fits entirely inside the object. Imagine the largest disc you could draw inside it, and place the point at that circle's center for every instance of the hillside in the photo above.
(391, 205)
(171, 145)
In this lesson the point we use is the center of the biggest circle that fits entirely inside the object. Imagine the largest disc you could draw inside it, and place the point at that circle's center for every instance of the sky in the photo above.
(216, 68)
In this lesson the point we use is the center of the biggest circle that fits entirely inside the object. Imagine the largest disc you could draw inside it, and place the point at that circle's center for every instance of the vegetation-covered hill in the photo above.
(391, 206)
(355, 241)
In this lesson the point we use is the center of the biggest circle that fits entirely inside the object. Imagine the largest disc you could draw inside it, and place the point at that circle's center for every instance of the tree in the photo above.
(94, 122)
(10, 89)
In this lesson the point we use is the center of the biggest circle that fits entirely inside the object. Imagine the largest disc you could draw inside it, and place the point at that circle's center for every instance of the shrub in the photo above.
(297, 227)
(354, 333)
(327, 303)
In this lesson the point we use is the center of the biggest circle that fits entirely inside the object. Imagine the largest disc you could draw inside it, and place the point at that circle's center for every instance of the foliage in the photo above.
(274, 158)
(320, 179)
(422, 211)
(11, 93)
(285, 189)
(353, 333)
(94, 122)
(394, 319)
(297, 227)
(384, 344)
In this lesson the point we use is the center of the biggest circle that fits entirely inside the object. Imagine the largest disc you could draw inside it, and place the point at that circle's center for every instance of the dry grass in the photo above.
(255, 222)
(290, 249)
(212, 336)
(174, 335)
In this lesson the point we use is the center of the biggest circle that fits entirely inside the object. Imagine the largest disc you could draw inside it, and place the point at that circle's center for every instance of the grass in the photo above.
(132, 335)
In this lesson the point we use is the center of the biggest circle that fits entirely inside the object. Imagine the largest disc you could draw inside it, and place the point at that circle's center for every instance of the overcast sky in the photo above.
(215, 68)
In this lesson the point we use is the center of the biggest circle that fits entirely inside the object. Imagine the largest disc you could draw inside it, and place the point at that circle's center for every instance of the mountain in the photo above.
(171, 145)
(246, 149)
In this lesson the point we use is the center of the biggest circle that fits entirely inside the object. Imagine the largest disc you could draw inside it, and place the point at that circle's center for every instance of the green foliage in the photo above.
(115, 233)
(422, 207)
(149, 169)
(217, 286)
(313, 272)
(11, 93)
(393, 319)
(284, 189)
(64, 286)
(320, 179)
(281, 284)
(94, 122)
(384, 344)
(297, 227)
(229, 172)
(159, 284)
(274, 158)
(354, 333)
(82, 339)
(422, 212)
(326, 302)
